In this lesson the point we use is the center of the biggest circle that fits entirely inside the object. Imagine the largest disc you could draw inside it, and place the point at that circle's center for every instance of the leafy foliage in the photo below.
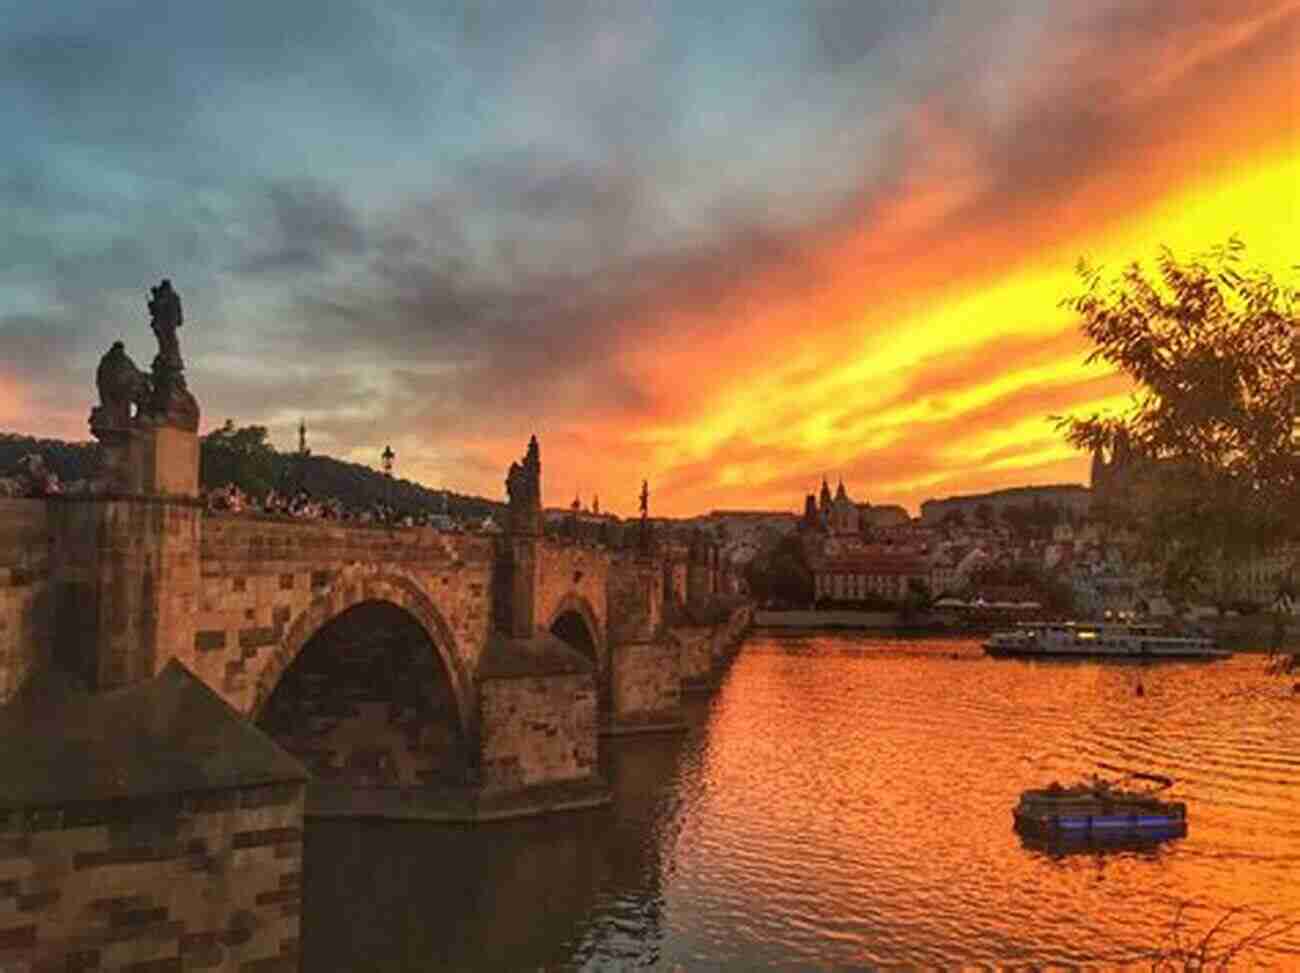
(1212, 347)
(71, 461)
(917, 601)
(240, 456)
(781, 574)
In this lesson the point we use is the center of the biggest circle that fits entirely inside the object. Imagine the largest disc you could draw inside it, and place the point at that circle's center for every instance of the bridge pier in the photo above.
(645, 672)
(125, 573)
(125, 561)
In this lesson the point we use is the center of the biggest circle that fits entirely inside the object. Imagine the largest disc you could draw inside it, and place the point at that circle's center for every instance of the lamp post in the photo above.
(388, 456)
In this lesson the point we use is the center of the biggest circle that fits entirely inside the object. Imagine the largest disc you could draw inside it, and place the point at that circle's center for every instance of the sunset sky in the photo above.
(726, 247)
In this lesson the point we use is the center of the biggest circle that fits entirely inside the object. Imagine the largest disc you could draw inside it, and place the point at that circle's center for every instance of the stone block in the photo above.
(646, 682)
(212, 640)
(163, 461)
(537, 730)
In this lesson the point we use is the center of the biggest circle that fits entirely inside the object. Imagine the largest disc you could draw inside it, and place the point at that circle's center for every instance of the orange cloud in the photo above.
(921, 346)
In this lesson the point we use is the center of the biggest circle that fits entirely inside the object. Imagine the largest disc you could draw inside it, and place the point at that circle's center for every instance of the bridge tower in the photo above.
(523, 535)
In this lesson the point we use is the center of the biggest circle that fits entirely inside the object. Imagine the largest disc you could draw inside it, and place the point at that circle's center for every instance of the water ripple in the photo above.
(845, 803)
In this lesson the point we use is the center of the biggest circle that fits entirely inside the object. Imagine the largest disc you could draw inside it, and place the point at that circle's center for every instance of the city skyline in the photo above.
(722, 251)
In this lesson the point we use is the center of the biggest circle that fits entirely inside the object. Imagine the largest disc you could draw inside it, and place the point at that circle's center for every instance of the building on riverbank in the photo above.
(867, 576)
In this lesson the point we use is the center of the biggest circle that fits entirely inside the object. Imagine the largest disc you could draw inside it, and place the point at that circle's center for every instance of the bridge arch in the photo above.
(575, 621)
(350, 591)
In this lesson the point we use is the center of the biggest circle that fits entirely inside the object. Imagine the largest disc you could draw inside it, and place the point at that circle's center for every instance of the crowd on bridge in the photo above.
(30, 477)
(300, 504)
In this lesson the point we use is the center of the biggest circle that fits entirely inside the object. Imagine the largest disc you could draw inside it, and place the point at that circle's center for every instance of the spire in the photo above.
(644, 533)
(302, 438)
(825, 498)
(810, 512)
(839, 492)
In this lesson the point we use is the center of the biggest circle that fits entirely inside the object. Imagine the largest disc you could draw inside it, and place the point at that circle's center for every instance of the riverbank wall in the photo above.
(1255, 633)
(838, 619)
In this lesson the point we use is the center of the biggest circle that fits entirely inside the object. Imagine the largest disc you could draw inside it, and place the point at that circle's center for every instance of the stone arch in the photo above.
(347, 592)
(575, 604)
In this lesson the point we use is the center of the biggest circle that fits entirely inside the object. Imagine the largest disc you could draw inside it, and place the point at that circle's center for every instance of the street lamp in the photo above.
(388, 456)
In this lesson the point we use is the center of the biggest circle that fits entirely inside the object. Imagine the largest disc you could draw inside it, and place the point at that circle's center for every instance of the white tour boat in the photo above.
(1141, 640)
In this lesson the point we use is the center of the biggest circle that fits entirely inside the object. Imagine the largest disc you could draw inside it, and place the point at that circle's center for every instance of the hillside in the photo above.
(259, 466)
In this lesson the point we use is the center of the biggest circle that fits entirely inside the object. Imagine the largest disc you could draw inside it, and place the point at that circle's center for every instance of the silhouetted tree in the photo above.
(781, 574)
(241, 456)
(1212, 348)
(916, 601)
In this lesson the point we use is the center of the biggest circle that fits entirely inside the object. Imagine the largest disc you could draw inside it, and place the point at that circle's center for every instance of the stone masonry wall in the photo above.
(25, 609)
(124, 574)
(676, 581)
(695, 644)
(206, 881)
(260, 574)
(728, 636)
(647, 682)
(634, 600)
(571, 569)
(699, 582)
(537, 730)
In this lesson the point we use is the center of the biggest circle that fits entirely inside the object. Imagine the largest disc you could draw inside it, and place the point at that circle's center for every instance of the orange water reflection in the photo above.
(845, 803)
(857, 804)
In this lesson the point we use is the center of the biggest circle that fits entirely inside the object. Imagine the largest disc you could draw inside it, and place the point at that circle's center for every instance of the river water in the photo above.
(845, 803)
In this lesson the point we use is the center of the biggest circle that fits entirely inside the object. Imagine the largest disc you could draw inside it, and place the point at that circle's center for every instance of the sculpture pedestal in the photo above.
(161, 461)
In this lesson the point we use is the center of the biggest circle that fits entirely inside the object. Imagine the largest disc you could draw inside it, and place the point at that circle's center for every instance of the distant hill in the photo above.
(1072, 497)
(360, 486)
(355, 485)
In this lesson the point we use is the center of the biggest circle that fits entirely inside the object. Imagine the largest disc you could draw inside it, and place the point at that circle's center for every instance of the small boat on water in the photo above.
(1101, 640)
(1101, 810)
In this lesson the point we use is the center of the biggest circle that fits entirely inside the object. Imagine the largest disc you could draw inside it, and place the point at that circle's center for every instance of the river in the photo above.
(844, 802)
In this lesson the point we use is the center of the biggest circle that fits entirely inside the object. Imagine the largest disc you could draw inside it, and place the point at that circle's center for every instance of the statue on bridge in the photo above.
(644, 541)
(171, 404)
(121, 385)
(136, 408)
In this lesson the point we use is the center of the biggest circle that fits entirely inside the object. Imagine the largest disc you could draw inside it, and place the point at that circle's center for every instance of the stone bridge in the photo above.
(379, 656)
(144, 823)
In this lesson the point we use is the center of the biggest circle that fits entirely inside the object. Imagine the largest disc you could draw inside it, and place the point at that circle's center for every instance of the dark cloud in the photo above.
(304, 228)
(845, 33)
